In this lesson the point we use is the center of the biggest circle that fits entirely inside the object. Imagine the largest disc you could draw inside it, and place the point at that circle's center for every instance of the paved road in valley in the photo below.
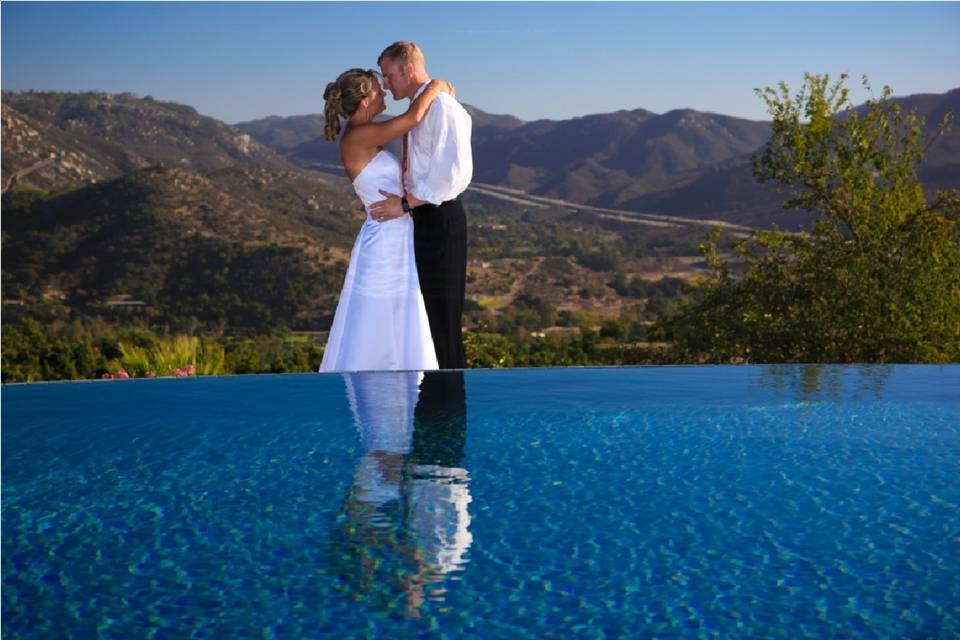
(650, 219)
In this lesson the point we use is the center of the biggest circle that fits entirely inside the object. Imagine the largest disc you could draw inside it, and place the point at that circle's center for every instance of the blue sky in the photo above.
(240, 61)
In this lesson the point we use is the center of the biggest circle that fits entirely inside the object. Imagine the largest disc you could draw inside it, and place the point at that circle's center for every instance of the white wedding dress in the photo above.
(381, 322)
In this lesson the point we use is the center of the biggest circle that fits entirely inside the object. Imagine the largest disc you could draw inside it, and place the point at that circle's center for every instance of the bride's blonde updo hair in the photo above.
(343, 97)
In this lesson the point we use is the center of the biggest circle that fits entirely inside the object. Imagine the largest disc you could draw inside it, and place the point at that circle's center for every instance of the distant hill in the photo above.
(38, 154)
(683, 162)
(729, 187)
(485, 124)
(96, 136)
(611, 159)
(942, 168)
(300, 138)
(241, 247)
(138, 200)
(284, 133)
(933, 107)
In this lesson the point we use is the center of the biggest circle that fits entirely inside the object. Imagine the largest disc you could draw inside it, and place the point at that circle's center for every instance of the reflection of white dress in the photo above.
(439, 517)
(382, 407)
(381, 322)
(437, 513)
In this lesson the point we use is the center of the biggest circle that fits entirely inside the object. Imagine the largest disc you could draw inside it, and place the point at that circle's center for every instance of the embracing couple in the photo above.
(402, 298)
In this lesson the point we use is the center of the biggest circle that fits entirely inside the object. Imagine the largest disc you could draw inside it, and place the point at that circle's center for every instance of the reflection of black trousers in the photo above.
(440, 420)
(440, 242)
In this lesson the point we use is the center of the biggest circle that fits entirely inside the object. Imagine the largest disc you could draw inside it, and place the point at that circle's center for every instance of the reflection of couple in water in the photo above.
(404, 524)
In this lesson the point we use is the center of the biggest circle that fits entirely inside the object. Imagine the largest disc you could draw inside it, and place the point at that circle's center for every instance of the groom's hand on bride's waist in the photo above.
(388, 209)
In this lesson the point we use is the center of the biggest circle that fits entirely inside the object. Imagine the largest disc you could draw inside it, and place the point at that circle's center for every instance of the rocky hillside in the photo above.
(121, 205)
(238, 247)
(38, 155)
(283, 134)
(86, 137)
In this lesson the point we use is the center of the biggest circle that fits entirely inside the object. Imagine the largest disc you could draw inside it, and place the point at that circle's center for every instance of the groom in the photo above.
(437, 167)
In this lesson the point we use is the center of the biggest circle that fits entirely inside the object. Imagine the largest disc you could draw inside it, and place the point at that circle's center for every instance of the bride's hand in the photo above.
(386, 209)
(443, 85)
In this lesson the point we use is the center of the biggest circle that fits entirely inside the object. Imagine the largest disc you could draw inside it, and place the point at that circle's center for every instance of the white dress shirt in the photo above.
(441, 160)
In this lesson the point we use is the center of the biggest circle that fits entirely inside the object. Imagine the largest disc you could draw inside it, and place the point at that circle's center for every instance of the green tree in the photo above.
(615, 329)
(877, 279)
(488, 350)
(242, 357)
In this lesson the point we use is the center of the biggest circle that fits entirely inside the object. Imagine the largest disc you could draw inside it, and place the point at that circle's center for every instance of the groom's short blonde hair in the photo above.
(403, 51)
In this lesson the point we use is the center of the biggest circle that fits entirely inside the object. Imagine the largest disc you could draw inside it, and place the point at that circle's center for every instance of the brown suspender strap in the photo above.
(405, 162)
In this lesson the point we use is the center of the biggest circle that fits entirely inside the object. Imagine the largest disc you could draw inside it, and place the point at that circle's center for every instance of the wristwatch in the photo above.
(405, 204)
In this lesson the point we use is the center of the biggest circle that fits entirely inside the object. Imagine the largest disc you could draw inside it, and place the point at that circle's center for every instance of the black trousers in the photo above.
(440, 243)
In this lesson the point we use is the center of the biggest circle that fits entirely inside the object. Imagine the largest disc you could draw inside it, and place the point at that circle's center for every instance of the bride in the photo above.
(381, 322)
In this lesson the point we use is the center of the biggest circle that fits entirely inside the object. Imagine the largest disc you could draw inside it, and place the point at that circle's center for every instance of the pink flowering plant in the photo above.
(119, 373)
(177, 356)
(184, 371)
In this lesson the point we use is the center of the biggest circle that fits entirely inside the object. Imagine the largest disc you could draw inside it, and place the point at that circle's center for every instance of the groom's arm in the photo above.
(441, 159)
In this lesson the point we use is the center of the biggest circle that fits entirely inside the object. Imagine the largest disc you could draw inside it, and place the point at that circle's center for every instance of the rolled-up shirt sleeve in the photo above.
(441, 159)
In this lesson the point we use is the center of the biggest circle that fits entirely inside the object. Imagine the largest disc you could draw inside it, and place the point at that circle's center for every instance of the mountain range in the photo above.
(116, 204)
(683, 162)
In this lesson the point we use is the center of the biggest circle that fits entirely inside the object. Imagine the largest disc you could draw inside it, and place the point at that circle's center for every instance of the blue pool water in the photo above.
(687, 502)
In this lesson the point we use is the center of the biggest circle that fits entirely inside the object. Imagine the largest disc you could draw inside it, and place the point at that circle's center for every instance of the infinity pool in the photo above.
(687, 502)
